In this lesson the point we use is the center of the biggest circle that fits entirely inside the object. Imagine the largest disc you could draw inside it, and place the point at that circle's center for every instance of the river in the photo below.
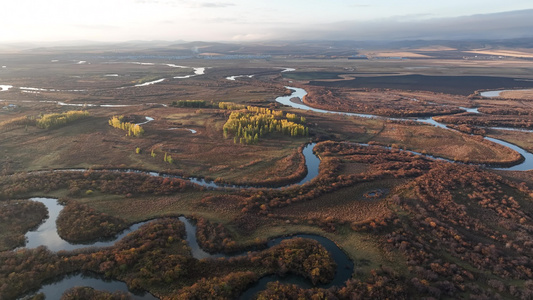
(46, 235)
(527, 164)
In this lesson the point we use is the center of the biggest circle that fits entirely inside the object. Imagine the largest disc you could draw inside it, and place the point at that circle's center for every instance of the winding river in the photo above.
(527, 164)
(46, 233)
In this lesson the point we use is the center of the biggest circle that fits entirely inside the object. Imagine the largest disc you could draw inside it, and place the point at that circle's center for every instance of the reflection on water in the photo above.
(46, 234)
(56, 289)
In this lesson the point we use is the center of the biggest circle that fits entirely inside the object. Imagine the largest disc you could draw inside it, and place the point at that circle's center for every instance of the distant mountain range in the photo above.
(273, 48)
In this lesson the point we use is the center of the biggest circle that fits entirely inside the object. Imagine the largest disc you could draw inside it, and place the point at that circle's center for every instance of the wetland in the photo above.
(136, 177)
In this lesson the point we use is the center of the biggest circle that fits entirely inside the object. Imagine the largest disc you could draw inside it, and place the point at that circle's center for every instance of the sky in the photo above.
(239, 20)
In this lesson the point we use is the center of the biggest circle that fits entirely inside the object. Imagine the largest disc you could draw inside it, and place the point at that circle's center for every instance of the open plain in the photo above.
(416, 180)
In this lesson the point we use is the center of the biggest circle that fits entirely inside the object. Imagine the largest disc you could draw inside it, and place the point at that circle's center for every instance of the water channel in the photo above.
(47, 235)
(289, 100)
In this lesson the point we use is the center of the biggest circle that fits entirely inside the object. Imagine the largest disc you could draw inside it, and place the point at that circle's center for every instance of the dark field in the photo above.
(457, 85)
(311, 75)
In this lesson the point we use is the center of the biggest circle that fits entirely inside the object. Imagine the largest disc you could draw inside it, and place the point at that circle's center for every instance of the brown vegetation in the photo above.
(493, 118)
(90, 293)
(80, 223)
(377, 102)
(16, 218)
(78, 182)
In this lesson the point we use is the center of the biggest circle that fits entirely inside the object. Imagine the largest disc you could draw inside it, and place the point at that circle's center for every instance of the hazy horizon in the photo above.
(237, 20)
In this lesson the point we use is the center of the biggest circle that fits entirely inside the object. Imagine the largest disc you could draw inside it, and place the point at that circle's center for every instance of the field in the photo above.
(414, 226)
(526, 95)
(461, 85)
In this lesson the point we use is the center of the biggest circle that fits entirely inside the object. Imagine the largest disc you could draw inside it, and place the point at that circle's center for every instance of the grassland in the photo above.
(428, 229)
(524, 94)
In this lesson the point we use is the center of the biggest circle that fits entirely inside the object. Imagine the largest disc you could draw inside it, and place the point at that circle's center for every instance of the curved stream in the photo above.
(312, 164)
(46, 235)
(527, 164)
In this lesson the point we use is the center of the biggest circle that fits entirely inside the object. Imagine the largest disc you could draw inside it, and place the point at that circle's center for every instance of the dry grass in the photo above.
(444, 143)
(522, 139)
(518, 94)
(148, 207)
(92, 143)
(347, 204)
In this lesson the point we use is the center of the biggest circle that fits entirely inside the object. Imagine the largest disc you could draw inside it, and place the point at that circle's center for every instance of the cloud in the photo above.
(187, 3)
(215, 4)
(252, 37)
(513, 24)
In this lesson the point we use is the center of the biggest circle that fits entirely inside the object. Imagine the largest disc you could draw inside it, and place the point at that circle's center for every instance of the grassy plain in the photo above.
(392, 230)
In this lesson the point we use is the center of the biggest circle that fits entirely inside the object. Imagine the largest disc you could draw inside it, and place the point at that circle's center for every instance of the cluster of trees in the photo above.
(20, 216)
(230, 106)
(214, 237)
(150, 257)
(167, 158)
(189, 103)
(303, 257)
(156, 258)
(132, 129)
(248, 126)
(224, 287)
(79, 223)
(265, 111)
(60, 119)
(25, 270)
(382, 284)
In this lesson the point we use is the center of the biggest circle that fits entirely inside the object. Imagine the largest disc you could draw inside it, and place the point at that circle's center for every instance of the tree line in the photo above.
(59, 119)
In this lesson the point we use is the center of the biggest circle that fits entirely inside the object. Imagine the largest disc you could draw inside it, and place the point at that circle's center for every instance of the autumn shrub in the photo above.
(226, 287)
(79, 223)
(78, 293)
